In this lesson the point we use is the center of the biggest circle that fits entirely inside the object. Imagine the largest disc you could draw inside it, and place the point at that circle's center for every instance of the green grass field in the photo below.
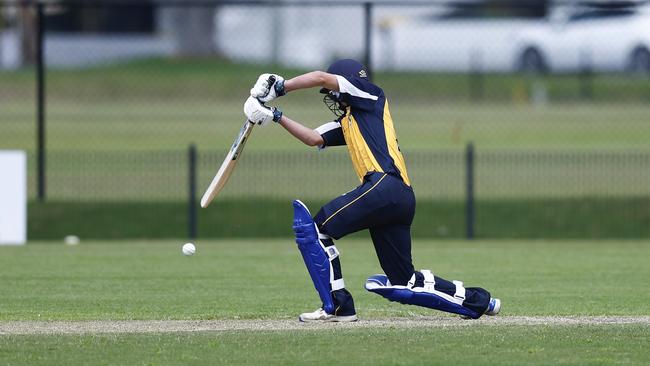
(162, 126)
(166, 104)
(129, 126)
(261, 281)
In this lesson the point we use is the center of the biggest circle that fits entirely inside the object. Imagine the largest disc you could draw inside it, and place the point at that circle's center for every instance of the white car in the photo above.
(598, 39)
(568, 39)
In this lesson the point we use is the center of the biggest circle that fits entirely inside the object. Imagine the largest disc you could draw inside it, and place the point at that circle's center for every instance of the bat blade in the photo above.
(228, 165)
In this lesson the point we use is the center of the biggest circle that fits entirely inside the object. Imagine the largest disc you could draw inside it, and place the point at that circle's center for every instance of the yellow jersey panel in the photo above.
(393, 147)
(362, 157)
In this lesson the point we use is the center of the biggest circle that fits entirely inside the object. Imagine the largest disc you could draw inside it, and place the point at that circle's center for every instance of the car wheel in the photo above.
(640, 61)
(532, 61)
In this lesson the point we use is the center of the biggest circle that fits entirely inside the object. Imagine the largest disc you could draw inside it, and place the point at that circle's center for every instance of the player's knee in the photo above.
(320, 218)
(303, 225)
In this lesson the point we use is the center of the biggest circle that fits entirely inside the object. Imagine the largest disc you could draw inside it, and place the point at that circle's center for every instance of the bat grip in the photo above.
(270, 81)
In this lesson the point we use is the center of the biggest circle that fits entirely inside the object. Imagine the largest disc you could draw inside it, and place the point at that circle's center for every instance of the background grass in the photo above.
(108, 125)
(225, 79)
(149, 125)
(229, 279)
(265, 279)
(165, 104)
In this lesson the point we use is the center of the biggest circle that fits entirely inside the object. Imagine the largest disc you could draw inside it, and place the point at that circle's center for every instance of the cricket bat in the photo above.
(228, 165)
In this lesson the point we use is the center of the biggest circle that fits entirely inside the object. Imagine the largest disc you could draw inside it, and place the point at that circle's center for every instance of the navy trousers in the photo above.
(384, 205)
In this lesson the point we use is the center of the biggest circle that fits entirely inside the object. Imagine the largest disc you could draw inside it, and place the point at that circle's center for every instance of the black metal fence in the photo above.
(107, 110)
(461, 193)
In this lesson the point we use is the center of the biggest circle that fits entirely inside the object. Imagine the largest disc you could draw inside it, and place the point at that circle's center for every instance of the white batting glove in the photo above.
(260, 114)
(268, 87)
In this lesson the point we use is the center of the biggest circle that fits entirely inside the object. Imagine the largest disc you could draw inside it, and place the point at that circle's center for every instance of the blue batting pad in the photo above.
(316, 261)
(380, 284)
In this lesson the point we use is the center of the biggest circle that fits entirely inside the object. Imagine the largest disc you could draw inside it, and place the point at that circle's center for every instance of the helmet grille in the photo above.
(334, 105)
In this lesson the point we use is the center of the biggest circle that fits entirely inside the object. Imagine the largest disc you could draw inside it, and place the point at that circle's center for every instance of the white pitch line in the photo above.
(173, 326)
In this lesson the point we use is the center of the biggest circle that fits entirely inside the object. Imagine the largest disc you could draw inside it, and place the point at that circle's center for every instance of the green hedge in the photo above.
(557, 218)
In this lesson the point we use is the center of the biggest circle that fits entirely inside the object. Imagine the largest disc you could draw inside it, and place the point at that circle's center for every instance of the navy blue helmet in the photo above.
(349, 69)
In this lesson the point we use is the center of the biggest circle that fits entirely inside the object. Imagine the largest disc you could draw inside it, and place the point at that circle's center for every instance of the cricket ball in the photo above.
(188, 249)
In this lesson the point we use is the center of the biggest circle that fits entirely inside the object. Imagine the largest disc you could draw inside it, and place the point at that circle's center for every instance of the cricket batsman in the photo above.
(383, 203)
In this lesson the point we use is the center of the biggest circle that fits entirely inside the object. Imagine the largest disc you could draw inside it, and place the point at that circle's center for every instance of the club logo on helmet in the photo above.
(363, 73)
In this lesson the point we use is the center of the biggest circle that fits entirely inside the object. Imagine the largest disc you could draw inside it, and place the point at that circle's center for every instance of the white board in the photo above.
(13, 197)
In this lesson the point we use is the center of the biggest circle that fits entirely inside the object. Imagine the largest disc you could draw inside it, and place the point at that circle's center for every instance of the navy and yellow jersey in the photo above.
(367, 130)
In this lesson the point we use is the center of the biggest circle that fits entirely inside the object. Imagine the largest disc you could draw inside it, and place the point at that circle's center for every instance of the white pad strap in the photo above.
(460, 290)
(332, 253)
(429, 280)
(337, 284)
(410, 284)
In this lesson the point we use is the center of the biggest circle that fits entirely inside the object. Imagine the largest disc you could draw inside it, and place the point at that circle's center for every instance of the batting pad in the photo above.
(425, 296)
(313, 253)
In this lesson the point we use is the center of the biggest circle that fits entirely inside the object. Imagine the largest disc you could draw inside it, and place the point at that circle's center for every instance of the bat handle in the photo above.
(270, 81)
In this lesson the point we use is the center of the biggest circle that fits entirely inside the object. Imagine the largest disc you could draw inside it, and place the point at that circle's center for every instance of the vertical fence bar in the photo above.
(191, 202)
(40, 103)
(368, 38)
(469, 187)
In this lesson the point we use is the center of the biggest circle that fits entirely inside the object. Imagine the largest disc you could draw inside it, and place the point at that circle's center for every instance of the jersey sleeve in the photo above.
(332, 134)
(358, 93)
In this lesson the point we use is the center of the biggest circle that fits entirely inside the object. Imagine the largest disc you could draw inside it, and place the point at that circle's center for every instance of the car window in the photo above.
(490, 10)
(600, 14)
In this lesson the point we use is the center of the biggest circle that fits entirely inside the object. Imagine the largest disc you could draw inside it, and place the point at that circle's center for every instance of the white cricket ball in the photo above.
(71, 240)
(188, 249)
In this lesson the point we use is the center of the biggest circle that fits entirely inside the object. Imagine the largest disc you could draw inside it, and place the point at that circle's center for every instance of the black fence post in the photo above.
(191, 202)
(469, 187)
(40, 103)
(368, 38)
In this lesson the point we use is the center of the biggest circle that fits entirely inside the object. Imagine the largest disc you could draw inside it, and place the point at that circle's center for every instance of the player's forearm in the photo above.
(311, 80)
(306, 135)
